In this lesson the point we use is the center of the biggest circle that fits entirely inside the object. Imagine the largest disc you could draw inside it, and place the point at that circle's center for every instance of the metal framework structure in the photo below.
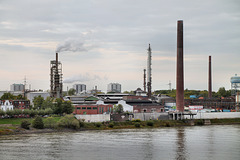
(56, 78)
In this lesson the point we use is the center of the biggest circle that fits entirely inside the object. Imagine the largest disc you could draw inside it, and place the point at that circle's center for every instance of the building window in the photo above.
(94, 107)
(89, 108)
(83, 107)
(78, 107)
(99, 109)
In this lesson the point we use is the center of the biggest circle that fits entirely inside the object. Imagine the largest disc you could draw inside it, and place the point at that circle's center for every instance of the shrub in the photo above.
(137, 120)
(111, 125)
(200, 122)
(137, 125)
(38, 123)
(81, 124)
(167, 124)
(50, 123)
(98, 125)
(75, 124)
(25, 124)
(150, 123)
(69, 121)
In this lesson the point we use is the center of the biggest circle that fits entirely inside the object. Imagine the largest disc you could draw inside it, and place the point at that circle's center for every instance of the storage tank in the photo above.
(235, 84)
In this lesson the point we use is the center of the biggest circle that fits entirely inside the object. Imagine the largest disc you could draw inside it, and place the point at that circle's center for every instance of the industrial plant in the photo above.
(139, 104)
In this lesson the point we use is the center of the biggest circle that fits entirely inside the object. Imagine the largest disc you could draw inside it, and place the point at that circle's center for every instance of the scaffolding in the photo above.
(56, 78)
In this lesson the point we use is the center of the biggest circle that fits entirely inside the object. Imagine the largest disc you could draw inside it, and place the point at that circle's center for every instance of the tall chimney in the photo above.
(149, 72)
(144, 80)
(180, 75)
(210, 78)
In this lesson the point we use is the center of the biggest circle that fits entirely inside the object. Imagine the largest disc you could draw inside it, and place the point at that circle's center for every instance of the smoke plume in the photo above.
(82, 78)
(73, 45)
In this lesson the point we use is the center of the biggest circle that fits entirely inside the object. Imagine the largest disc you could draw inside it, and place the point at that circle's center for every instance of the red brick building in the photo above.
(18, 104)
(147, 108)
(21, 104)
(93, 109)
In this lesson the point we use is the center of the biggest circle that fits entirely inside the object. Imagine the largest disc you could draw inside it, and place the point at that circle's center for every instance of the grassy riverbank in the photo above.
(13, 126)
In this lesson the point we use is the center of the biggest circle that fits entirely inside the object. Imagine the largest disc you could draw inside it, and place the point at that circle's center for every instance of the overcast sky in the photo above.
(105, 41)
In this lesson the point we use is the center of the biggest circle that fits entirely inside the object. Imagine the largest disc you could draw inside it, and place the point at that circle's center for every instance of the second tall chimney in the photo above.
(180, 75)
(210, 78)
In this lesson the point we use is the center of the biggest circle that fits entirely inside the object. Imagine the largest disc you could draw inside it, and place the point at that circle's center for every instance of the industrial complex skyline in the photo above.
(102, 41)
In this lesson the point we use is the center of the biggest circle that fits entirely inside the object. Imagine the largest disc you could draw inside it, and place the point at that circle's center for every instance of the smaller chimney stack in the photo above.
(210, 78)
(144, 80)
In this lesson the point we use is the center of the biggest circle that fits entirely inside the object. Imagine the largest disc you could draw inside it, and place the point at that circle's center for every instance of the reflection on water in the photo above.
(180, 142)
(207, 142)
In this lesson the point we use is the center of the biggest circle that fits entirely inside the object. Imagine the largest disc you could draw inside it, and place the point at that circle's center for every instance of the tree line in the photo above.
(222, 92)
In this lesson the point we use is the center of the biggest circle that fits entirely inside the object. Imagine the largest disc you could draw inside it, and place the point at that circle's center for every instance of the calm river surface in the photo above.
(206, 142)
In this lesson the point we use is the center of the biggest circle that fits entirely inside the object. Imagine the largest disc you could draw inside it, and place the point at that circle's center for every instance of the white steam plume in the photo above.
(73, 45)
(82, 78)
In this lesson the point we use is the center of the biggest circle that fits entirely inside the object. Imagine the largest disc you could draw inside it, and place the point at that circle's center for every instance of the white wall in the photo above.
(94, 117)
(213, 115)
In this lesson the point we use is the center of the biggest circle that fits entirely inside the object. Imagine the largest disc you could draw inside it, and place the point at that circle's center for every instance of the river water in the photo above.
(197, 143)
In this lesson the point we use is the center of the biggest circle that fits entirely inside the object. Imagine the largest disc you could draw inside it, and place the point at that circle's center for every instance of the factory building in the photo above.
(17, 87)
(79, 88)
(114, 87)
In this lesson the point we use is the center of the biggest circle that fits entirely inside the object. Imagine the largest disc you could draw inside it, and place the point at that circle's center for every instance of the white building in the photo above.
(7, 105)
(79, 88)
(126, 107)
(17, 87)
(114, 87)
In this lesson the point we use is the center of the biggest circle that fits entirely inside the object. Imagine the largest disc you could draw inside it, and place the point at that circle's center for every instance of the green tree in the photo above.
(2, 113)
(118, 108)
(26, 112)
(7, 96)
(71, 91)
(37, 102)
(10, 112)
(48, 111)
(58, 106)
(18, 111)
(67, 107)
(47, 103)
(222, 92)
(20, 97)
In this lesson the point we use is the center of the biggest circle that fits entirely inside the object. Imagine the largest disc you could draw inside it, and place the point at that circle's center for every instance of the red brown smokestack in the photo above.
(144, 80)
(180, 78)
(210, 78)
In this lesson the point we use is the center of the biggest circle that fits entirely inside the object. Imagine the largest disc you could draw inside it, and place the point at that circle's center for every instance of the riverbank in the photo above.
(12, 126)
